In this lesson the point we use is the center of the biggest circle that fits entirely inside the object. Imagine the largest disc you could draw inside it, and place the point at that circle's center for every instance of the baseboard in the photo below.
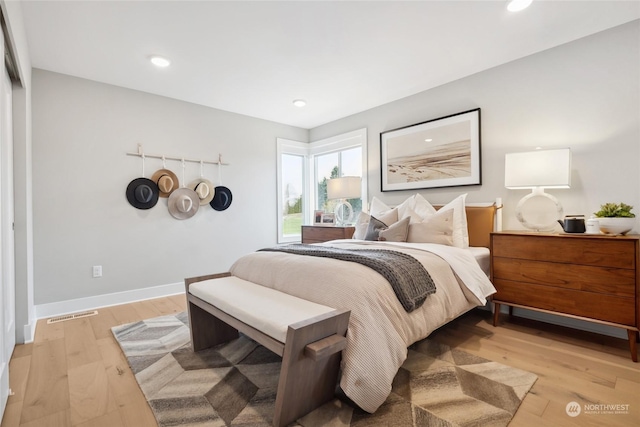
(29, 333)
(91, 303)
(565, 321)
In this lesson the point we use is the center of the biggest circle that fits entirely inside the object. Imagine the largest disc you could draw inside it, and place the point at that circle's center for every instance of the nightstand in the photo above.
(588, 277)
(319, 234)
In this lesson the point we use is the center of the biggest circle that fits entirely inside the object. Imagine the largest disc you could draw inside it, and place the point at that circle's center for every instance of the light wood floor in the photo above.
(74, 373)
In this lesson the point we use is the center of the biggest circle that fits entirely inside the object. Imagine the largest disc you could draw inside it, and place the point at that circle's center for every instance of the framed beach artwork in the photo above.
(443, 152)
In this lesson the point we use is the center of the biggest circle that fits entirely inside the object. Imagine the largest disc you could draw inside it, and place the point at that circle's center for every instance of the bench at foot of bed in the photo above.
(308, 336)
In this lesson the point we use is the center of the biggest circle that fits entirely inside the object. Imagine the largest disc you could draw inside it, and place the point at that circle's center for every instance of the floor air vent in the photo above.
(72, 316)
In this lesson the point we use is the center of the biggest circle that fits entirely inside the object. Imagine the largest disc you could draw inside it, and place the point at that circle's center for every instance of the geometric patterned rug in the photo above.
(235, 384)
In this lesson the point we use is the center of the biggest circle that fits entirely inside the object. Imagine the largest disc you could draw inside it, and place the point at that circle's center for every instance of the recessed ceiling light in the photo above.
(428, 140)
(299, 103)
(159, 61)
(518, 5)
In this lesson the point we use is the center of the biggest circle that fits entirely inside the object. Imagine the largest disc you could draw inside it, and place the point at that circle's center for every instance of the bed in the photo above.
(380, 329)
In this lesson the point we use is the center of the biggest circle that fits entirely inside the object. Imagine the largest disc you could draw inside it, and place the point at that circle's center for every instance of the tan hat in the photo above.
(166, 180)
(204, 189)
(183, 203)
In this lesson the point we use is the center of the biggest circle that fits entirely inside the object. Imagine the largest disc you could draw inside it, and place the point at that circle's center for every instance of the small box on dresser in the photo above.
(589, 277)
(319, 234)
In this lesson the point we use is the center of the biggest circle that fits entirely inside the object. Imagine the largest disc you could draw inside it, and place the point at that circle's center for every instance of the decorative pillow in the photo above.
(374, 228)
(377, 207)
(422, 207)
(361, 226)
(438, 228)
(396, 232)
(422, 210)
(389, 217)
(460, 230)
(416, 207)
(362, 223)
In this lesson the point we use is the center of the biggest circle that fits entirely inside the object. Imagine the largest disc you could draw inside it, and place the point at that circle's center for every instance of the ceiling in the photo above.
(255, 58)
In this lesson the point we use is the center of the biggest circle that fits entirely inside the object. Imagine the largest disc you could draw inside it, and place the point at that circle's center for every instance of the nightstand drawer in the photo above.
(314, 234)
(618, 253)
(602, 280)
(609, 308)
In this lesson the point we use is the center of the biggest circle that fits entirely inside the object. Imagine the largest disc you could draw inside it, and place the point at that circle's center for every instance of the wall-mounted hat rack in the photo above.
(141, 153)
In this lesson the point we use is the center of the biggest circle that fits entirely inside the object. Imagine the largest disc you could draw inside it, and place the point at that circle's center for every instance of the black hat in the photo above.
(142, 193)
(221, 199)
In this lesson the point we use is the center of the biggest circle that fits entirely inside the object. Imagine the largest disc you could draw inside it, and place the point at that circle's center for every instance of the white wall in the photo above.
(584, 95)
(81, 132)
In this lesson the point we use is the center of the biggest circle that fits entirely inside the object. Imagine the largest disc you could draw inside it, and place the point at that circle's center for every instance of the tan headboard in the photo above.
(480, 222)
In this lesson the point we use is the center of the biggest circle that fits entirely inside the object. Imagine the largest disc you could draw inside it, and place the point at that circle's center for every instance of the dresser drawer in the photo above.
(586, 278)
(609, 308)
(572, 250)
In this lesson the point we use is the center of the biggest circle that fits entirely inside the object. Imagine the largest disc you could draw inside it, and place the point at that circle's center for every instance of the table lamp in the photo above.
(538, 170)
(347, 187)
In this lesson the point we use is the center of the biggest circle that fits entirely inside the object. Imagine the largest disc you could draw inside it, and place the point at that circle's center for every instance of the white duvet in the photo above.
(380, 330)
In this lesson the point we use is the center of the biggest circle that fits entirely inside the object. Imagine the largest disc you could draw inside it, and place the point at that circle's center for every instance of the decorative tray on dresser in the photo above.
(588, 277)
(319, 234)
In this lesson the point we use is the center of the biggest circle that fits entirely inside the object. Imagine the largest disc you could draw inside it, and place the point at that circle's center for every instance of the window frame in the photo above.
(296, 148)
(310, 151)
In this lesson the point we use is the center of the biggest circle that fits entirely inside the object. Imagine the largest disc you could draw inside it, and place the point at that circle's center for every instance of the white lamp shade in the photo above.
(347, 187)
(541, 168)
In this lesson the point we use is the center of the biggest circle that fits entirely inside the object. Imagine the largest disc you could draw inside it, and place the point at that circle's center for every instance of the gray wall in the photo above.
(81, 132)
(584, 95)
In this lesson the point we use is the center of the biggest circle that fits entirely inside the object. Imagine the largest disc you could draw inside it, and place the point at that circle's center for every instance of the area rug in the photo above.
(235, 384)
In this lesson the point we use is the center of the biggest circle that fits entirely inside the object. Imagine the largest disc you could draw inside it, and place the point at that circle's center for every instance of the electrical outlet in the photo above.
(97, 271)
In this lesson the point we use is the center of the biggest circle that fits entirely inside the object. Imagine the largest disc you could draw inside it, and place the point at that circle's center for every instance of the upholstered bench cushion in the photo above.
(262, 308)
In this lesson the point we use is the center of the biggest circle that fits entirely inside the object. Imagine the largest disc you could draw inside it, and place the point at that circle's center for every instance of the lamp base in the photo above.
(340, 214)
(544, 219)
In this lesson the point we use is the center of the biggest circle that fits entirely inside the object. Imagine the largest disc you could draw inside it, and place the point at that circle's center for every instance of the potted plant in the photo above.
(615, 218)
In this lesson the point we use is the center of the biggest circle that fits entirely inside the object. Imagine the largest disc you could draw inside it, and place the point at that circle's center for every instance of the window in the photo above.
(303, 172)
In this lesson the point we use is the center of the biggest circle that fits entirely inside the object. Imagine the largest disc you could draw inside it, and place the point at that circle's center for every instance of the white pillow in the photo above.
(377, 207)
(405, 207)
(416, 207)
(361, 226)
(460, 231)
(422, 210)
(362, 223)
(422, 207)
(437, 228)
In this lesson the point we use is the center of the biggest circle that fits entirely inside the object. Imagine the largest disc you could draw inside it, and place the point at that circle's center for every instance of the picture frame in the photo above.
(328, 220)
(317, 217)
(443, 152)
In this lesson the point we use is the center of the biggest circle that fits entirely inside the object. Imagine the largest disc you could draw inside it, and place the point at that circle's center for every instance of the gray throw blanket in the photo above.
(409, 279)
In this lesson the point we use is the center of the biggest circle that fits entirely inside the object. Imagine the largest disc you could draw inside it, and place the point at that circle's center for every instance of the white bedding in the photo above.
(380, 330)
(482, 257)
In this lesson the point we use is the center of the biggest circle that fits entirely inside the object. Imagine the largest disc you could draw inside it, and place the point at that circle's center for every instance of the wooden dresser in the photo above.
(588, 277)
(319, 234)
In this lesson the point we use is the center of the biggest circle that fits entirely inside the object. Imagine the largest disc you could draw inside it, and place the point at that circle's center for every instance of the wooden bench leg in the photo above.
(207, 330)
(305, 383)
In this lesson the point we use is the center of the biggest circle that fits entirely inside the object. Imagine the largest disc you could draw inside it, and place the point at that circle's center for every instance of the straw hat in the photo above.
(142, 193)
(204, 189)
(222, 198)
(183, 203)
(166, 180)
